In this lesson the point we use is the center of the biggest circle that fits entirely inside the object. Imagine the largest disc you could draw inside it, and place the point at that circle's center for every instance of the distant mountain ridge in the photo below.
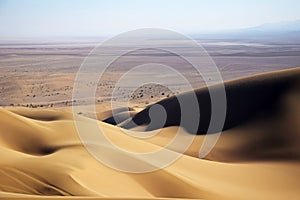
(287, 32)
(284, 26)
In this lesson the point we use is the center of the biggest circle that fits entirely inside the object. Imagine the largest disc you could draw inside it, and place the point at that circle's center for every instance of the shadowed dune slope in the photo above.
(247, 99)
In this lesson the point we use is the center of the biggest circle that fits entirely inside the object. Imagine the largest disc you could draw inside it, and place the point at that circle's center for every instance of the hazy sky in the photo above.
(31, 18)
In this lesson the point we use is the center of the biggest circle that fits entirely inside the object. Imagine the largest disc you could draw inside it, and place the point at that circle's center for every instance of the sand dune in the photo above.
(246, 99)
(256, 157)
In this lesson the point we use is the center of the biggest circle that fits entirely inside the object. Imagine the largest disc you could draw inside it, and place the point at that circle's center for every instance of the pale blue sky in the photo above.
(31, 18)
